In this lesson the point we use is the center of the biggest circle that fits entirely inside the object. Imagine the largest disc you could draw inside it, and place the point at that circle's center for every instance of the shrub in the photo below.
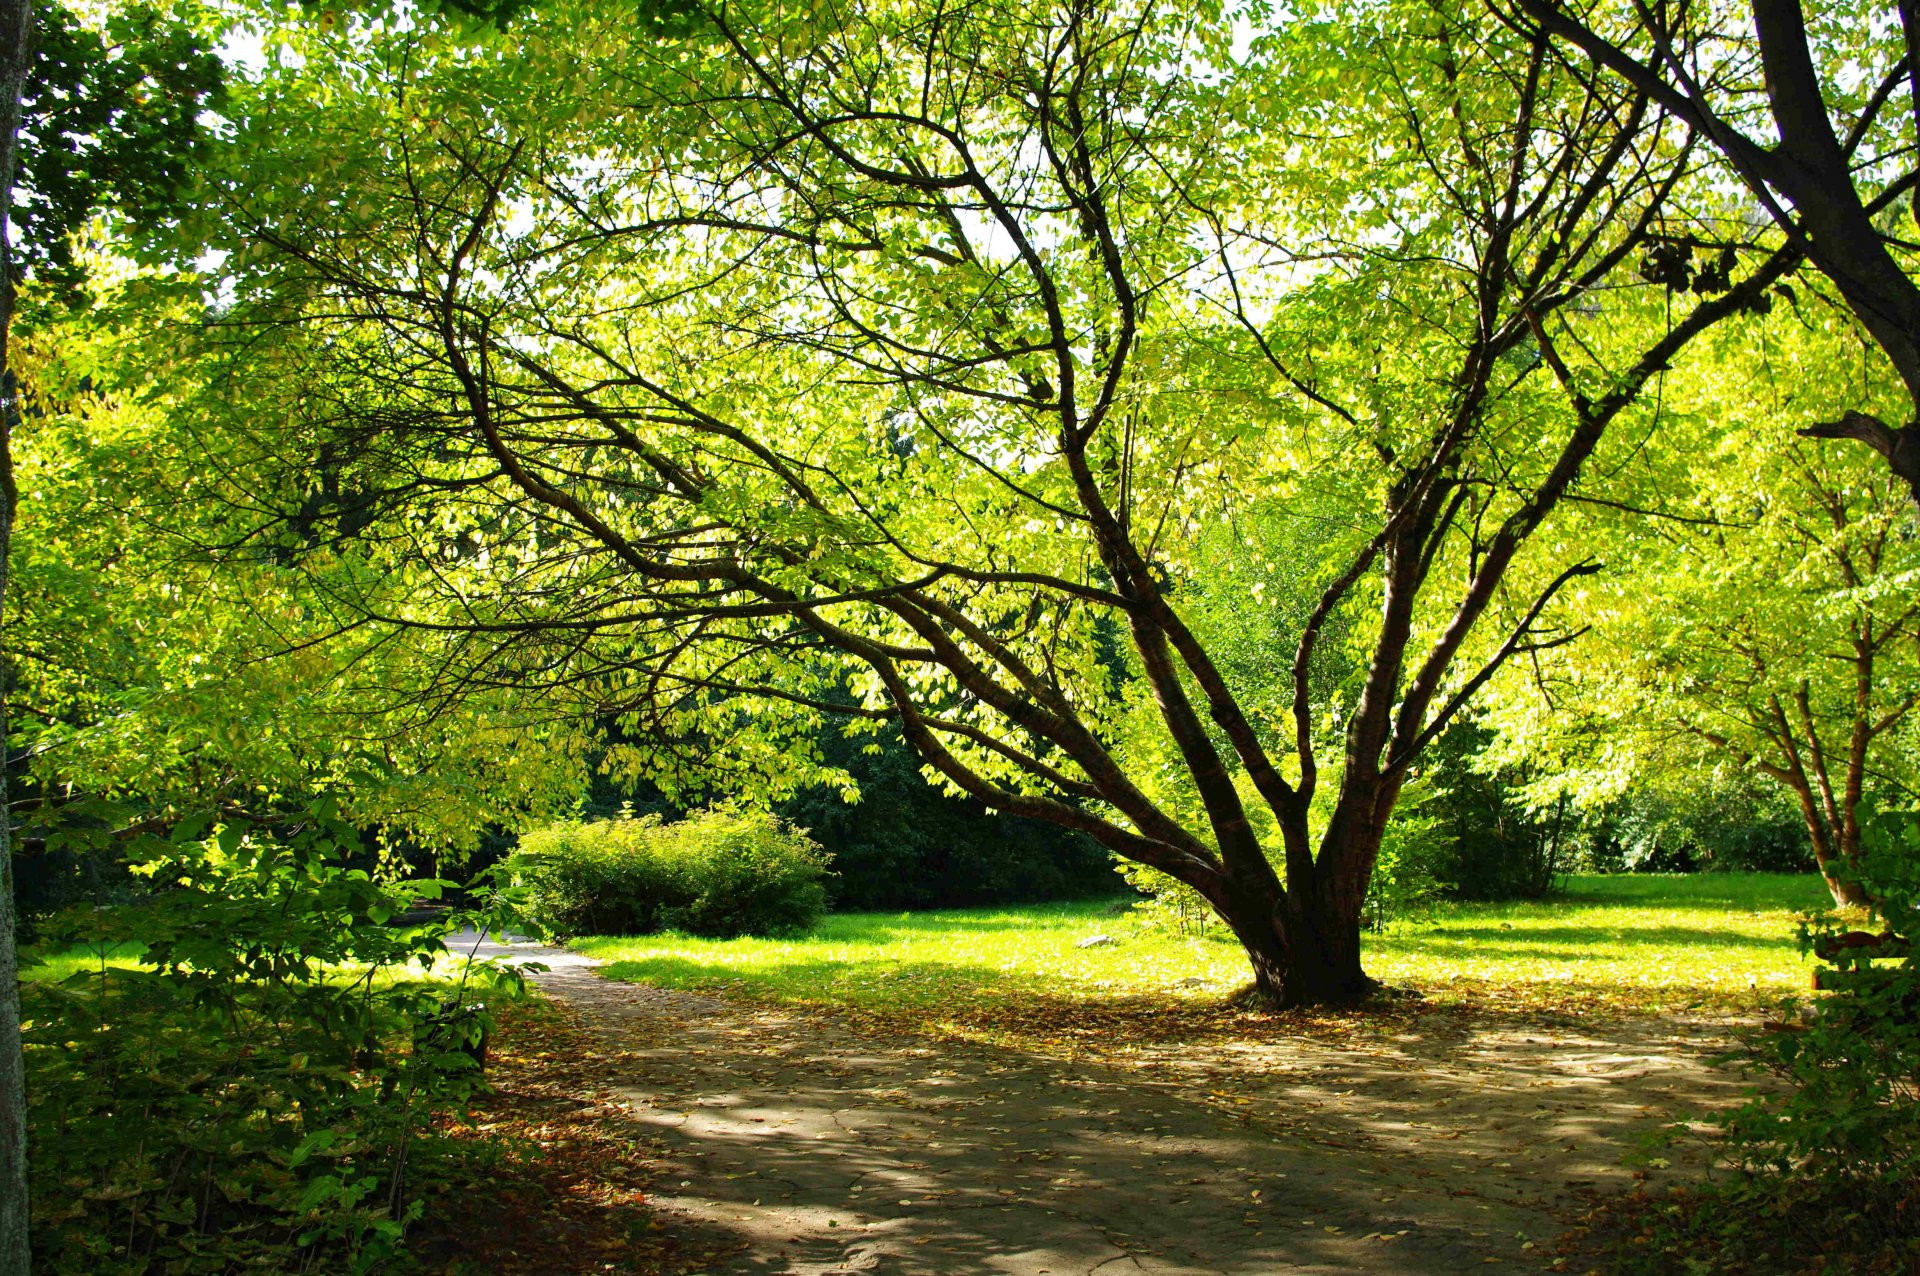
(1826, 1167)
(259, 1094)
(716, 873)
(1851, 1114)
(906, 844)
(1414, 851)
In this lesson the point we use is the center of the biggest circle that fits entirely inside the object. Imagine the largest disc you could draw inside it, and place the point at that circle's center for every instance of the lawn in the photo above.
(1719, 942)
(55, 965)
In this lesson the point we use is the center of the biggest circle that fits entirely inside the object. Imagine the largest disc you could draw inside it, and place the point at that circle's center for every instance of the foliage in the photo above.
(1823, 1167)
(1840, 1143)
(716, 873)
(1480, 836)
(1758, 619)
(907, 844)
(943, 398)
(257, 1092)
(897, 839)
(112, 122)
(149, 678)
(1706, 822)
(1406, 882)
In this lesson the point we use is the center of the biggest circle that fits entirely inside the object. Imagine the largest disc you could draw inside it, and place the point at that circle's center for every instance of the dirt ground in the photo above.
(1442, 1142)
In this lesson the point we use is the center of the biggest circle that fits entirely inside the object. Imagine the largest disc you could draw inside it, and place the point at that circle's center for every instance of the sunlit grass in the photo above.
(51, 965)
(1719, 941)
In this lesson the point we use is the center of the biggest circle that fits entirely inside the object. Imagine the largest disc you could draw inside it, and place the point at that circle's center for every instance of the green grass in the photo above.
(56, 965)
(1721, 941)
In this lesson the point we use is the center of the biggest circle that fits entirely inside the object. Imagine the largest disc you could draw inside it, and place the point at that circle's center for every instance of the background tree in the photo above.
(1768, 619)
(107, 123)
(917, 350)
(16, 35)
(1829, 86)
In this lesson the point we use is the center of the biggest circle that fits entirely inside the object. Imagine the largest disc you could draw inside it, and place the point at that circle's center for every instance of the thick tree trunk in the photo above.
(1304, 948)
(1846, 893)
(1830, 846)
(16, 31)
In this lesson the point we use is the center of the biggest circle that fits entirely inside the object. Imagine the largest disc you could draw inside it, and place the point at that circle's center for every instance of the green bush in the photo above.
(260, 1094)
(1826, 1166)
(1414, 851)
(715, 873)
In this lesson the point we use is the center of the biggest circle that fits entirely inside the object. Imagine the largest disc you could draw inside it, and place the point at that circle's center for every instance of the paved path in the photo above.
(826, 1150)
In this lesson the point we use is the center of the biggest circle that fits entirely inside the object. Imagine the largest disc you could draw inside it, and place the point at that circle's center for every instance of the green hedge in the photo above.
(715, 873)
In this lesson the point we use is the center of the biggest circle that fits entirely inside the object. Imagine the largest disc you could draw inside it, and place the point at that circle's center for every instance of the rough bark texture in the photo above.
(16, 27)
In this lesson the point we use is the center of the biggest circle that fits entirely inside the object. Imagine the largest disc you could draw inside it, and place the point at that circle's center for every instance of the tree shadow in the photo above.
(974, 1157)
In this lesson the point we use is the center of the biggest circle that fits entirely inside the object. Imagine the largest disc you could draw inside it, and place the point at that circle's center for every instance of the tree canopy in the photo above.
(937, 356)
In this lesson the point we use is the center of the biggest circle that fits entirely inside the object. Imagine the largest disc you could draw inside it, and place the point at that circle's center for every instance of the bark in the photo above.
(1302, 942)
(1900, 445)
(1830, 849)
(16, 29)
(1303, 947)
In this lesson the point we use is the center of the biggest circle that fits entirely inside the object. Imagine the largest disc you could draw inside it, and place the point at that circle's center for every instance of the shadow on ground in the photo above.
(1434, 1142)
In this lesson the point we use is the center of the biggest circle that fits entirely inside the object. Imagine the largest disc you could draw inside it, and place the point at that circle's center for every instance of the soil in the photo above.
(1438, 1142)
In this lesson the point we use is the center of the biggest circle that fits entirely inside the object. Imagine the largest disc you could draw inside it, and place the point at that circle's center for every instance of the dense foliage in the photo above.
(112, 125)
(717, 873)
(257, 1090)
(907, 844)
(1327, 458)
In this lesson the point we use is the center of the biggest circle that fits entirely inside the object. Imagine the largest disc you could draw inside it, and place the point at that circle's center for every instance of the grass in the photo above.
(1719, 942)
(55, 965)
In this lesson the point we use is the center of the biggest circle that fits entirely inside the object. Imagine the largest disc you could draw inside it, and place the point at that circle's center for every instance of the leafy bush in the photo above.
(1414, 851)
(907, 844)
(716, 873)
(257, 1094)
(1492, 844)
(1826, 1169)
(1713, 825)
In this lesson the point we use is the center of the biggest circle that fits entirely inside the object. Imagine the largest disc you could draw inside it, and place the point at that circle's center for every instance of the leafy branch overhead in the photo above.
(916, 357)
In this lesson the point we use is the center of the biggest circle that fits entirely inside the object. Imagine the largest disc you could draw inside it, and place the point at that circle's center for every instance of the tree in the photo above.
(1768, 620)
(137, 117)
(1842, 163)
(691, 381)
(16, 38)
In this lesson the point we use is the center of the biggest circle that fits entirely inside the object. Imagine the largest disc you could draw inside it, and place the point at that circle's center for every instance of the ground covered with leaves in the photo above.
(558, 1179)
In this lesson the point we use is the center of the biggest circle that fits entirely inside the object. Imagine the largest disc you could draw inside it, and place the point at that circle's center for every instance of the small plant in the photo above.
(716, 873)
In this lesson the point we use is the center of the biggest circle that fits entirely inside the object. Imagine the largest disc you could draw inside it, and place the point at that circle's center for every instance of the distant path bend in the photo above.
(831, 1151)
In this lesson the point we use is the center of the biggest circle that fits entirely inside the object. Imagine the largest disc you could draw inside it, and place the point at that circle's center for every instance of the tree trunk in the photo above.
(1304, 948)
(1830, 846)
(1846, 893)
(16, 32)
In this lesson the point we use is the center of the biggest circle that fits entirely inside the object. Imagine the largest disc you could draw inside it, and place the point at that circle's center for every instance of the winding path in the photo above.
(827, 1150)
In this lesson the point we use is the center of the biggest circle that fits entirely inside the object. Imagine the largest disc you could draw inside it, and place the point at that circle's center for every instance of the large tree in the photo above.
(915, 350)
(1819, 115)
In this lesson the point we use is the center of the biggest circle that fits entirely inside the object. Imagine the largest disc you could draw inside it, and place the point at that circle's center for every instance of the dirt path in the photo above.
(1444, 1148)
